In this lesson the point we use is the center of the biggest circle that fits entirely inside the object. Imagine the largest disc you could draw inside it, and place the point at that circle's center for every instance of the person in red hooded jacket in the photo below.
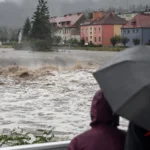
(104, 134)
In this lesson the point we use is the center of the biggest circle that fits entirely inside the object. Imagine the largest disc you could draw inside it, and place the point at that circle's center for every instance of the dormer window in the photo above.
(133, 22)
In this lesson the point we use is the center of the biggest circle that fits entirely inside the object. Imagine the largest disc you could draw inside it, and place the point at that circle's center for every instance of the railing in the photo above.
(45, 146)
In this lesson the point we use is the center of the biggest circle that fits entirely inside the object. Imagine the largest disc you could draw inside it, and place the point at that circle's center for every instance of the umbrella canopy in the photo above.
(125, 81)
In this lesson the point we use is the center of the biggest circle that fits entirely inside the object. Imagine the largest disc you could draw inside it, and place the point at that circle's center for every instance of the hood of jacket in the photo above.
(101, 112)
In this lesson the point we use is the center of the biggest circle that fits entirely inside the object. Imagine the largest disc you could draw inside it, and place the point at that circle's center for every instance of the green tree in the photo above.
(4, 34)
(75, 41)
(114, 41)
(26, 28)
(124, 40)
(118, 38)
(136, 41)
(57, 39)
(90, 15)
(41, 28)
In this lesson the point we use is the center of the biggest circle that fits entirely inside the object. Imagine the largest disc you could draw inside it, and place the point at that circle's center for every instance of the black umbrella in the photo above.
(125, 81)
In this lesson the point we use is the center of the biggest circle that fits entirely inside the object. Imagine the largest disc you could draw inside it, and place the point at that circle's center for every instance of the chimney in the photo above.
(70, 14)
(113, 13)
(65, 15)
(98, 14)
(79, 13)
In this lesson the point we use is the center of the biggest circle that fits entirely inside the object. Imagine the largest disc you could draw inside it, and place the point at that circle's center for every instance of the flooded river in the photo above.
(39, 90)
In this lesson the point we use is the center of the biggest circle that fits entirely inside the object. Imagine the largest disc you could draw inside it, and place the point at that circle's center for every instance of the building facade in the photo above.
(137, 28)
(101, 28)
(68, 26)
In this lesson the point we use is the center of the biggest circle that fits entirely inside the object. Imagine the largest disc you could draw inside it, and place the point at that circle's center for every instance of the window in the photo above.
(99, 30)
(90, 37)
(95, 29)
(86, 30)
(124, 31)
(128, 31)
(99, 39)
(90, 32)
(91, 28)
(95, 39)
(137, 30)
(133, 31)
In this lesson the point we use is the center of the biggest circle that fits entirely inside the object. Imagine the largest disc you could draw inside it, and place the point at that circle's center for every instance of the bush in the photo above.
(82, 42)
(99, 45)
(136, 41)
(91, 44)
(41, 45)
(148, 43)
(124, 40)
(22, 46)
(20, 137)
(118, 38)
(114, 41)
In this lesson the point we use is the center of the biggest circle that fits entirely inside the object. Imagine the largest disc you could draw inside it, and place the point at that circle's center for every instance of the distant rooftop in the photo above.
(141, 20)
(109, 18)
(68, 20)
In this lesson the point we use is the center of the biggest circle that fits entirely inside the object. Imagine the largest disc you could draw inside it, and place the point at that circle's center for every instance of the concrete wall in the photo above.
(132, 34)
(145, 35)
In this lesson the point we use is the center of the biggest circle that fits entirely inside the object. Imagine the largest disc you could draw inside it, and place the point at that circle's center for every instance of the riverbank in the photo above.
(110, 49)
(113, 49)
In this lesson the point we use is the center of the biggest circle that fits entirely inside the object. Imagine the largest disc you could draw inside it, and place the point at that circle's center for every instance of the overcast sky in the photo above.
(14, 12)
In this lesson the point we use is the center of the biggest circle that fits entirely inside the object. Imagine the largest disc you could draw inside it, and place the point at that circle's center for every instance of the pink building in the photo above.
(101, 28)
(68, 26)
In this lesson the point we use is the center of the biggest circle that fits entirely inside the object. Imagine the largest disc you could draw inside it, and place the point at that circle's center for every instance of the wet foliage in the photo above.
(20, 137)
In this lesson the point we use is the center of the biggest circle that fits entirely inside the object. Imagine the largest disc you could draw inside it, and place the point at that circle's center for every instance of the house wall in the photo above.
(90, 34)
(117, 29)
(107, 33)
(84, 33)
(69, 32)
(97, 34)
(145, 35)
(131, 33)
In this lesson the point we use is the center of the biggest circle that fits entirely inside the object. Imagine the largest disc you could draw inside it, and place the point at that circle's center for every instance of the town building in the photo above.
(137, 28)
(101, 28)
(68, 26)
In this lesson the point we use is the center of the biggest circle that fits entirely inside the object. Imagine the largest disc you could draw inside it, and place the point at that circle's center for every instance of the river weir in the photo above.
(39, 90)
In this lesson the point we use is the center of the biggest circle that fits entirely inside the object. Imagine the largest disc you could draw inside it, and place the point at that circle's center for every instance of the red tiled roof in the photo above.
(110, 19)
(141, 20)
(72, 19)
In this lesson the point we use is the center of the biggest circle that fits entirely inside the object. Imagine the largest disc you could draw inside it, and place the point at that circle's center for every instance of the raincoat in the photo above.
(103, 134)
(137, 138)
